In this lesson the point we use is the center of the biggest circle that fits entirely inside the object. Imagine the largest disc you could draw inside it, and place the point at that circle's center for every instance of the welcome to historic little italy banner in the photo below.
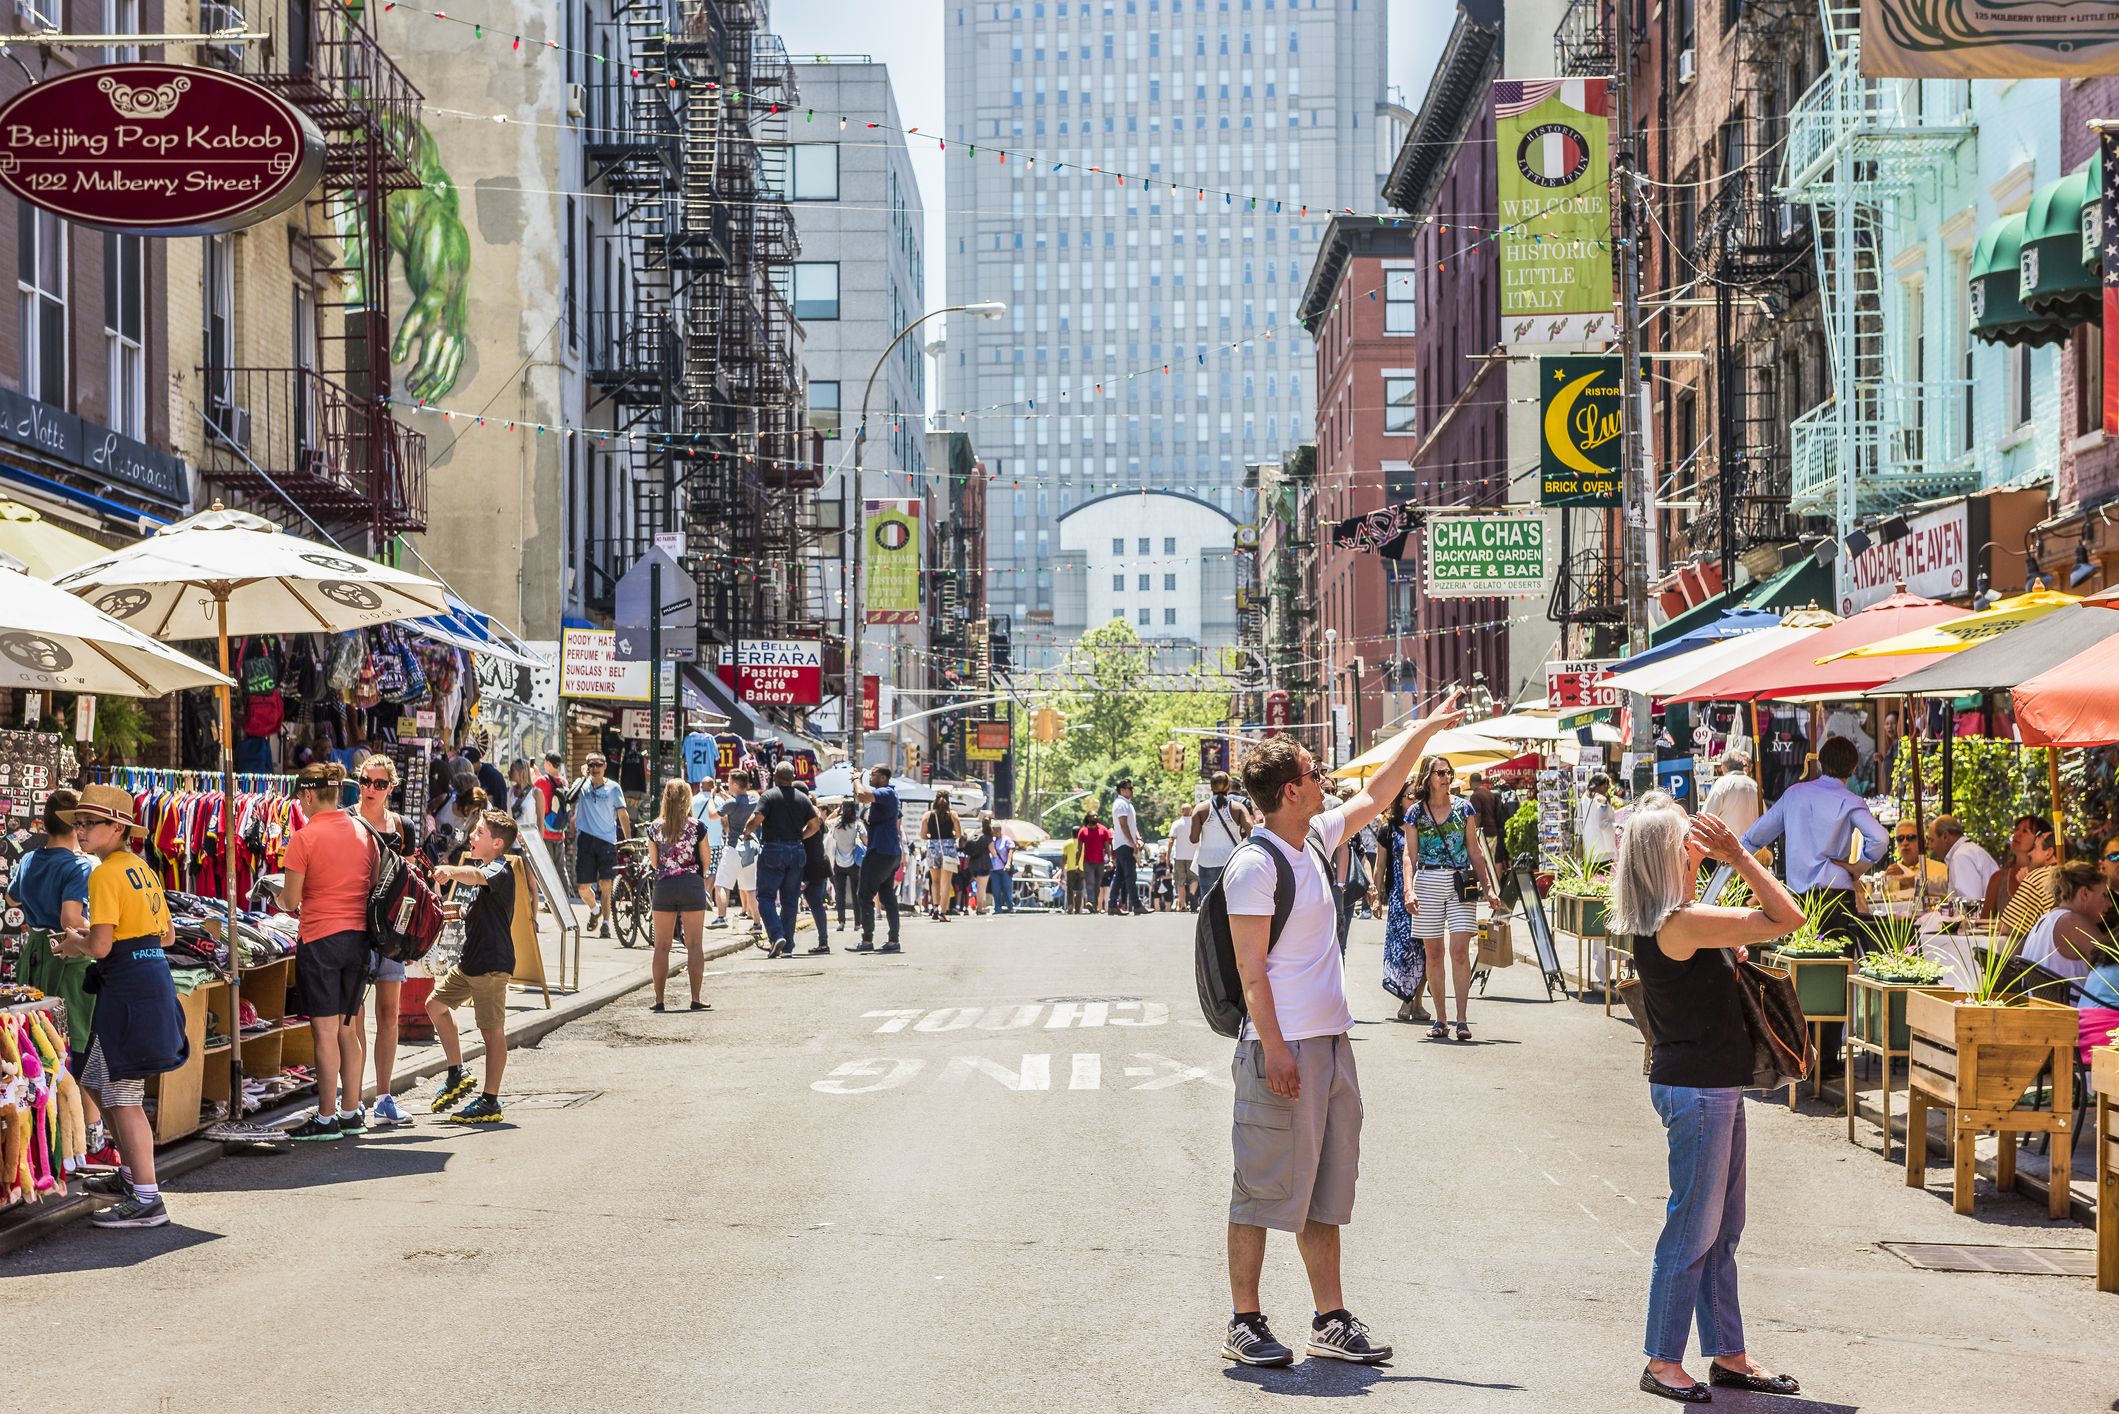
(1484, 556)
(1552, 143)
(1989, 39)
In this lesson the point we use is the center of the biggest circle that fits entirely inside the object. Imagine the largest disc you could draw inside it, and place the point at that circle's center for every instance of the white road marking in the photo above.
(1088, 1072)
(949, 1019)
(1608, 1228)
(887, 1075)
(1065, 1014)
(899, 1020)
(1179, 1073)
(1151, 1014)
(1036, 1073)
(1003, 1018)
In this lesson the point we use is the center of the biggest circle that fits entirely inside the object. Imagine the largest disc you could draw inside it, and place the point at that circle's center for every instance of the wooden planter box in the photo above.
(1879, 1016)
(1583, 917)
(1977, 1062)
(1820, 982)
(2104, 1079)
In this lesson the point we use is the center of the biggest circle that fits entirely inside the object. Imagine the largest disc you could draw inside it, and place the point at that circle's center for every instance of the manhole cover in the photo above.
(549, 1100)
(2014, 1261)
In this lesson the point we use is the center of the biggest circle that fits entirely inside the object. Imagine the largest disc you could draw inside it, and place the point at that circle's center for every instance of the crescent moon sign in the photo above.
(1556, 435)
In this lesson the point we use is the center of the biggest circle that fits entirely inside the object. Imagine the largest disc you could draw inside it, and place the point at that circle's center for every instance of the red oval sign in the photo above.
(157, 149)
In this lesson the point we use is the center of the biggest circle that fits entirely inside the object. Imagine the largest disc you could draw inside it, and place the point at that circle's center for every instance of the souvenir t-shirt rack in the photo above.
(234, 992)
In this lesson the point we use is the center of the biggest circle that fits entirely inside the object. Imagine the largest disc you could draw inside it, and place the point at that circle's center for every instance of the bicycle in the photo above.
(633, 894)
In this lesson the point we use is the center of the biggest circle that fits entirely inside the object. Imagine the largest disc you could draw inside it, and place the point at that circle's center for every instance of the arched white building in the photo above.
(1162, 560)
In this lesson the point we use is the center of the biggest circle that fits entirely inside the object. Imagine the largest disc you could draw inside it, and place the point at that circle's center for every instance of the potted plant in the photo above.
(1976, 1051)
(1582, 888)
(1894, 962)
(1519, 840)
(1816, 960)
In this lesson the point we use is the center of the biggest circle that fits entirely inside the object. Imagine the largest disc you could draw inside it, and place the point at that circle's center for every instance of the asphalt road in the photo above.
(991, 1174)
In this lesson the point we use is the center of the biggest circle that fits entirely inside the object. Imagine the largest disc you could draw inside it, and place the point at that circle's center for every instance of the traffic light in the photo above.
(912, 761)
(1047, 725)
(1173, 757)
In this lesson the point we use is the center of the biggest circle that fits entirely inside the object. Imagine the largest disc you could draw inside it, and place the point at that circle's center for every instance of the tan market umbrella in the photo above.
(221, 573)
(1456, 745)
(52, 642)
(43, 547)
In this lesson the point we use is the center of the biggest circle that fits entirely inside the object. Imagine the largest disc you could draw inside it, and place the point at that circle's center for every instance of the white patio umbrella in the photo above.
(220, 573)
(52, 642)
(1527, 726)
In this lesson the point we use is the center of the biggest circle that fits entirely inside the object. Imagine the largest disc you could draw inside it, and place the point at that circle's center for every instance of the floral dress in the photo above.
(1404, 956)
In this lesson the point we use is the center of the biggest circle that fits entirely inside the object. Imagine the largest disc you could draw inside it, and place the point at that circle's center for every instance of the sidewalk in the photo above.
(608, 972)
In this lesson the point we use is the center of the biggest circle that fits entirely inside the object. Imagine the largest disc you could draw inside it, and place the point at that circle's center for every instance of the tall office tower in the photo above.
(1202, 105)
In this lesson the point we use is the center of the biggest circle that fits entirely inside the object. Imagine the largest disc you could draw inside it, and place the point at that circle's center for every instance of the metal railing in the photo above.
(1904, 445)
(291, 430)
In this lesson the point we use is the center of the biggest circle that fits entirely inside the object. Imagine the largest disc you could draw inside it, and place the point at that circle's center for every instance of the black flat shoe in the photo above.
(1772, 1384)
(1683, 1394)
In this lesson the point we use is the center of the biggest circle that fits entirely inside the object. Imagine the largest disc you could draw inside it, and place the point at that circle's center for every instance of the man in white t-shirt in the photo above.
(1217, 828)
(1126, 845)
(1183, 850)
(1297, 1132)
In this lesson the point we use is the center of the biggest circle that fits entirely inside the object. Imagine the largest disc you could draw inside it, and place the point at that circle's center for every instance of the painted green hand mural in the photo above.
(426, 233)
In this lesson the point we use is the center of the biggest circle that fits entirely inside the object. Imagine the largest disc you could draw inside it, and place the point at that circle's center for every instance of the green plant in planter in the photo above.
(1995, 980)
(1583, 877)
(1519, 833)
(1905, 969)
(1810, 938)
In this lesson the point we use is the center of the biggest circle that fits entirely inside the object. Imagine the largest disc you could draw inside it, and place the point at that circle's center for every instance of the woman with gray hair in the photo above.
(1699, 1064)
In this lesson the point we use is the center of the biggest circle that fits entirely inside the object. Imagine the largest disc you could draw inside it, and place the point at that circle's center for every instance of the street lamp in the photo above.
(855, 730)
(1331, 698)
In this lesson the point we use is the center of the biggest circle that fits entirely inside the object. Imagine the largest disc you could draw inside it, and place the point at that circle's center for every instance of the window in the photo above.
(1144, 545)
(2019, 359)
(2089, 379)
(1398, 300)
(1399, 404)
(302, 328)
(824, 409)
(220, 323)
(1170, 581)
(41, 280)
(1118, 546)
(808, 171)
(1142, 585)
(1144, 615)
(1118, 584)
(811, 286)
(119, 17)
(1169, 544)
(1170, 617)
(125, 331)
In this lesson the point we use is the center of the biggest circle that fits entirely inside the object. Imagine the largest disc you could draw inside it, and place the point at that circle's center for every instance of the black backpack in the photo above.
(1214, 950)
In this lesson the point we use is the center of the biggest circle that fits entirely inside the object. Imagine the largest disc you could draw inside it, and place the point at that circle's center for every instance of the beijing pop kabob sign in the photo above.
(157, 149)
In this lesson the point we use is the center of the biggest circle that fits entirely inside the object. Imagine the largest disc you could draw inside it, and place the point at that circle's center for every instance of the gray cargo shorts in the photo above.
(1296, 1160)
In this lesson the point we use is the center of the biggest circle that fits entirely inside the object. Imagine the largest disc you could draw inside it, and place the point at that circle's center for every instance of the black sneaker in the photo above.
(454, 1086)
(863, 946)
(1336, 1335)
(603, 929)
(358, 1124)
(820, 948)
(107, 1185)
(890, 947)
(1251, 1342)
(483, 1110)
(133, 1212)
(315, 1129)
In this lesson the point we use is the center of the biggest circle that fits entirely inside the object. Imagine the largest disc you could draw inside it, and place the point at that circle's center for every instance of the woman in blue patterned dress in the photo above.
(1404, 960)
(1449, 860)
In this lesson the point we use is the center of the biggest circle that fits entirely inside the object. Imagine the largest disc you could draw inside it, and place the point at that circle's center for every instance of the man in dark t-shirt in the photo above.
(784, 818)
(879, 866)
(486, 879)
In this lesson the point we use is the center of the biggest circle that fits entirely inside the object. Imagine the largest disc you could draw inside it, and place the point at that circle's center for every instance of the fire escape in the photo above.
(1754, 251)
(1586, 45)
(1855, 146)
(321, 430)
(693, 345)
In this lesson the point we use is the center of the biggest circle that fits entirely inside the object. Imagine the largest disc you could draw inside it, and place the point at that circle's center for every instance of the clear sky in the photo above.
(907, 35)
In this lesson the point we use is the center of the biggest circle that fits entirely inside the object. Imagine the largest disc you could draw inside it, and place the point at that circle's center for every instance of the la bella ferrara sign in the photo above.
(157, 149)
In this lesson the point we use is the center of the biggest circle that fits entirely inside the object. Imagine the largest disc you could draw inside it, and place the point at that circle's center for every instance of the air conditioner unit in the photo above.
(230, 425)
(577, 100)
(1688, 65)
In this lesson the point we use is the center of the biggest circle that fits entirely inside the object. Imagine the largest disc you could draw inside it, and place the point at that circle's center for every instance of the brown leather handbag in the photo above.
(1782, 1051)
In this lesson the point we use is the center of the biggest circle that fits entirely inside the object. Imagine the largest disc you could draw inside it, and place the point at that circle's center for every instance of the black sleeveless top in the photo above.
(1695, 1015)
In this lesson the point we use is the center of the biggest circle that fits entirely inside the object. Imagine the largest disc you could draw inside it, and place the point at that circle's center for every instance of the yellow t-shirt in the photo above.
(124, 893)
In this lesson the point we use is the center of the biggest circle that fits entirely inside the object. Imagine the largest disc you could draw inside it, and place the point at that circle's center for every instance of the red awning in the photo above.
(1794, 671)
(2074, 703)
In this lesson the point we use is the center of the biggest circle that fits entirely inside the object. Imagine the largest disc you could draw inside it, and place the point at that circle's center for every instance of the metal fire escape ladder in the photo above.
(1856, 146)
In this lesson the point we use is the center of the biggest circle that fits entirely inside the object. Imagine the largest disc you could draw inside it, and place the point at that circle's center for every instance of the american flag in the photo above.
(2108, 232)
(1513, 96)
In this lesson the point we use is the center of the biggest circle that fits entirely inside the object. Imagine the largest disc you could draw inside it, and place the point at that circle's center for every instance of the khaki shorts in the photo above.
(1180, 872)
(487, 993)
(1296, 1160)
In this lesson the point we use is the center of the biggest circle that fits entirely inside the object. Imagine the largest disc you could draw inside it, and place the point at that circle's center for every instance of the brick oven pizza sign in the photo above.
(157, 149)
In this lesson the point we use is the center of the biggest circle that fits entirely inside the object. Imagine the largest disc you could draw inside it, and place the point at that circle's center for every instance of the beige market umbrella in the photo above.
(52, 642)
(221, 573)
(41, 546)
(1456, 745)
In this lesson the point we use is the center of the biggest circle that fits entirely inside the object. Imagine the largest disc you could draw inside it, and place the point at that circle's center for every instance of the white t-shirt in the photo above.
(1304, 967)
(1181, 845)
(1971, 869)
(1219, 834)
(1125, 824)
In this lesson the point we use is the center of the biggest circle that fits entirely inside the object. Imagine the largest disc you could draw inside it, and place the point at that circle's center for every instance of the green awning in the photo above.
(1998, 314)
(2052, 278)
(1798, 587)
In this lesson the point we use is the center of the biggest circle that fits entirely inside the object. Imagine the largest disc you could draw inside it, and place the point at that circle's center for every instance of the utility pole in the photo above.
(1637, 510)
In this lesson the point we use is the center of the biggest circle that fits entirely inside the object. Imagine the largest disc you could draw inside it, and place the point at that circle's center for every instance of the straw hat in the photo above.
(106, 803)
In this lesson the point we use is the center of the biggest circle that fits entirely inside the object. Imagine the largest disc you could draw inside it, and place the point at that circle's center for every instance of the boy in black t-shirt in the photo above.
(481, 975)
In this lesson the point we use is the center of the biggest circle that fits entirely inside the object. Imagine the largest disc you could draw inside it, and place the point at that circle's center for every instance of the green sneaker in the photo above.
(454, 1086)
(483, 1110)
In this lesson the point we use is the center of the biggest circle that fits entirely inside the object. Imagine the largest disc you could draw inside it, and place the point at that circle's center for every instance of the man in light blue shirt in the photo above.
(599, 815)
(1818, 819)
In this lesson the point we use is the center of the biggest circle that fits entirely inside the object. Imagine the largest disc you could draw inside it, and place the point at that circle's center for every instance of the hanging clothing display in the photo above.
(43, 1129)
(183, 812)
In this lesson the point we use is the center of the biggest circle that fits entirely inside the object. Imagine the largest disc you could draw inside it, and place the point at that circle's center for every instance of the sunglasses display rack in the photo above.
(414, 759)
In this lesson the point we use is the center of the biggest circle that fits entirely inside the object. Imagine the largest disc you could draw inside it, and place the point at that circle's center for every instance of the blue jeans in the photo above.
(1694, 1273)
(1208, 876)
(1003, 885)
(780, 865)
